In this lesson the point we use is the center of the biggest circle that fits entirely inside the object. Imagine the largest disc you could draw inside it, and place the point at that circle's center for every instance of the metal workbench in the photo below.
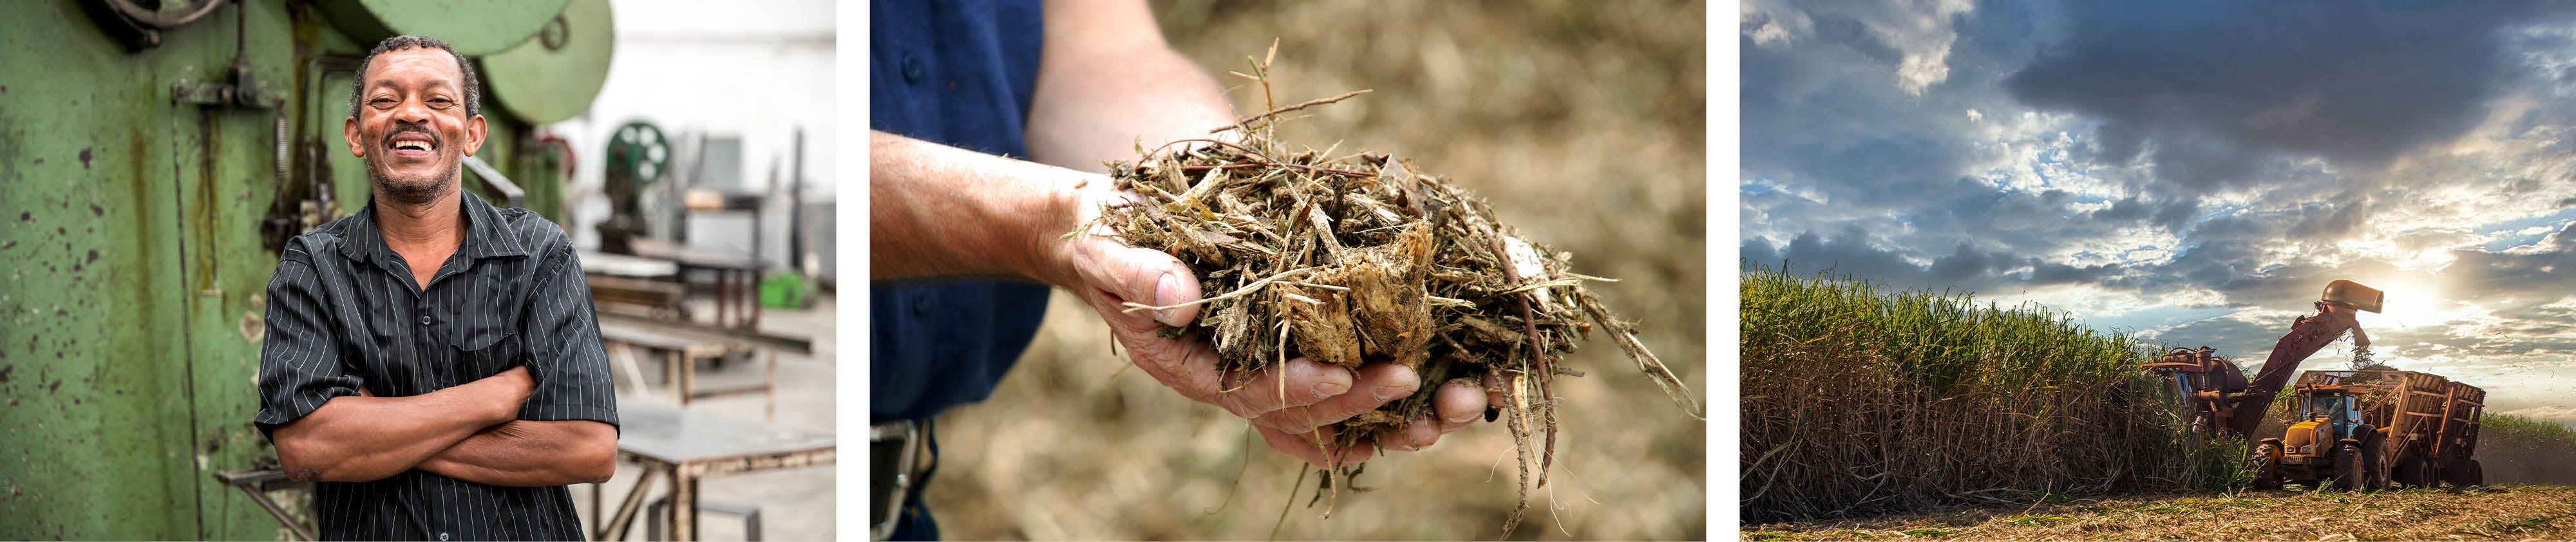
(682, 445)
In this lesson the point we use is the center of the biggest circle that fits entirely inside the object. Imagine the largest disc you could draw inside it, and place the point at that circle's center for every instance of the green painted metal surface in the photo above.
(555, 76)
(133, 260)
(473, 27)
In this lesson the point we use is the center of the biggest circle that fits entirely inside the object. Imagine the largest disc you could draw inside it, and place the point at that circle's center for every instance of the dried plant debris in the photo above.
(1361, 259)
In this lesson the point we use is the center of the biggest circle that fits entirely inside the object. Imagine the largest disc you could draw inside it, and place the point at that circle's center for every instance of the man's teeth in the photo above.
(412, 145)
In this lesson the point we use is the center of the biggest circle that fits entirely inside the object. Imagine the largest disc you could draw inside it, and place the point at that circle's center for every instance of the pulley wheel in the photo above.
(639, 149)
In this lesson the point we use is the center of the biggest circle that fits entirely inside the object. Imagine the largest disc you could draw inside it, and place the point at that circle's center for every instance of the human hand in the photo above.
(1290, 404)
(512, 387)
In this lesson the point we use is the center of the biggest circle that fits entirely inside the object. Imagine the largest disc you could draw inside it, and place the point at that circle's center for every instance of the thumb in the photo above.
(1143, 275)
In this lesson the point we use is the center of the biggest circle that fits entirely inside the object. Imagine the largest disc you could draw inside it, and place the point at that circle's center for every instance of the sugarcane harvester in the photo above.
(2215, 393)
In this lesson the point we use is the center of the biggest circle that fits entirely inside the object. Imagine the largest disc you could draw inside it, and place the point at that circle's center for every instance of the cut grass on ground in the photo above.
(2487, 513)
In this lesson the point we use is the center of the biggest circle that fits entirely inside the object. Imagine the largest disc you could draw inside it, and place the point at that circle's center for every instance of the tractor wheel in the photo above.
(2374, 470)
(2347, 467)
(2455, 474)
(2412, 472)
(2267, 467)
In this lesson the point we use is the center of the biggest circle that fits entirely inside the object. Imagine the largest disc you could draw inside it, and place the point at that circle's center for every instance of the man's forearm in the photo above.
(936, 210)
(360, 438)
(532, 453)
(1108, 82)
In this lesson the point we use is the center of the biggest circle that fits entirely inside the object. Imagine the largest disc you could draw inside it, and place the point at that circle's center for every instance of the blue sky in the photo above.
(2193, 172)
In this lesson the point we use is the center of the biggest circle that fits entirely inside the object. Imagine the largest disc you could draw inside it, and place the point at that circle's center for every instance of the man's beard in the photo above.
(415, 193)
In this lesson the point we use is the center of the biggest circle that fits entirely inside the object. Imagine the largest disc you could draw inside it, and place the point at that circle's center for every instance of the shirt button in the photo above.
(921, 305)
(912, 68)
(442, 537)
(424, 319)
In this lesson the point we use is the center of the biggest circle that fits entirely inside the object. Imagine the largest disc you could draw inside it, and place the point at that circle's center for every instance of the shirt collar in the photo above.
(485, 235)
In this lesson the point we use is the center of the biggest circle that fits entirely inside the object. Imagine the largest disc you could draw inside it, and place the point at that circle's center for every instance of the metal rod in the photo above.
(510, 192)
(616, 528)
(796, 206)
(293, 526)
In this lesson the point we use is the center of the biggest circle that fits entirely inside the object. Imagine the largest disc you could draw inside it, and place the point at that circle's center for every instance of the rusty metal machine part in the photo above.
(2353, 294)
(473, 27)
(2307, 335)
(2215, 391)
(140, 27)
(2209, 386)
(554, 77)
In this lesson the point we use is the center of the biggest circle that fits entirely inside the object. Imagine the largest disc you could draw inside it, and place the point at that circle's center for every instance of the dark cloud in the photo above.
(2518, 281)
(2229, 335)
(2214, 92)
(2330, 218)
(2046, 272)
(2171, 215)
(1879, 153)
(1850, 33)
(1848, 253)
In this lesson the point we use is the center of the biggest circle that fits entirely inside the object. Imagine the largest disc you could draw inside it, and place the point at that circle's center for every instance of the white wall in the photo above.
(753, 69)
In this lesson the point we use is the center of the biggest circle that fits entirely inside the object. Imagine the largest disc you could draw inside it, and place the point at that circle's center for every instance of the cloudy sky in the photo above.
(2193, 172)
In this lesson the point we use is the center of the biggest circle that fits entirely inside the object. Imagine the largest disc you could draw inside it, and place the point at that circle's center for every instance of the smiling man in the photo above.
(433, 362)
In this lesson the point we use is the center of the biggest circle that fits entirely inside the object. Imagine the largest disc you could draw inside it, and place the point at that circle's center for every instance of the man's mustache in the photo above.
(423, 129)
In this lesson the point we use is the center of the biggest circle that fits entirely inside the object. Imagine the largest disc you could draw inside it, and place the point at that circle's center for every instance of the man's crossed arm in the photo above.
(468, 432)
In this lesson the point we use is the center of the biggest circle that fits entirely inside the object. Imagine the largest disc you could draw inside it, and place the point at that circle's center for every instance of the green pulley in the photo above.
(638, 149)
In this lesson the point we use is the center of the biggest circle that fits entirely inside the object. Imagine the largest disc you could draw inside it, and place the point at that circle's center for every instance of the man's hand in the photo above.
(518, 385)
(1290, 404)
(940, 211)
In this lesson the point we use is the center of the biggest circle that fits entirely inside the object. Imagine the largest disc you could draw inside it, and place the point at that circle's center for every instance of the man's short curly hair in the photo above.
(473, 86)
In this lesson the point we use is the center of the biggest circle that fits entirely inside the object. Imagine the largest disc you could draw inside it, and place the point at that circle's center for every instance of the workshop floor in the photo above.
(795, 504)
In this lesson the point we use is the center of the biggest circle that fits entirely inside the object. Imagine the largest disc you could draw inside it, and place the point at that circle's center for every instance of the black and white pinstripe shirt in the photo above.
(344, 311)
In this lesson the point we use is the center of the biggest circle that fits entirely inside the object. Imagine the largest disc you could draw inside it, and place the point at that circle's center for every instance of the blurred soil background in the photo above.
(1581, 123)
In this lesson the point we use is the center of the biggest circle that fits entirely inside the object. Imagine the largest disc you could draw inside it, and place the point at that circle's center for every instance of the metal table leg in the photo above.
(596, 506)
(684, 505)
(754, 283)
(616, 527)
(688, 385)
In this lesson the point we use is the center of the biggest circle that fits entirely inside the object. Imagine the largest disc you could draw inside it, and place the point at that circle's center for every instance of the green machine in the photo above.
(153, 157)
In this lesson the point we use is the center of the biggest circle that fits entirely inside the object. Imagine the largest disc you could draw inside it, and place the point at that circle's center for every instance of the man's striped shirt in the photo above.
(344, 311)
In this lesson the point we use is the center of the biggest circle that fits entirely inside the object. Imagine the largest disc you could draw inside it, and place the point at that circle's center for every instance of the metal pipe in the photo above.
(282, 147)
(510, 191)
(796, 207)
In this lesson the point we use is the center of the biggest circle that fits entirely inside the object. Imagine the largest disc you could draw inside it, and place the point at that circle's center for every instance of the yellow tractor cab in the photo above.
(2330, 441)
(2332, 415)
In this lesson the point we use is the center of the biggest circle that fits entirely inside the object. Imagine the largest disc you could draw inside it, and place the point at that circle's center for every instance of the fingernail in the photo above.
(1167, 292)
(1385, 393)
(1463, 418)
(1330, 388)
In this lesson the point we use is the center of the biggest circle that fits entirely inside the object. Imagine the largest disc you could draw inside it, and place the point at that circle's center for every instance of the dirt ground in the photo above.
(1582, 123)
(2491, 513)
